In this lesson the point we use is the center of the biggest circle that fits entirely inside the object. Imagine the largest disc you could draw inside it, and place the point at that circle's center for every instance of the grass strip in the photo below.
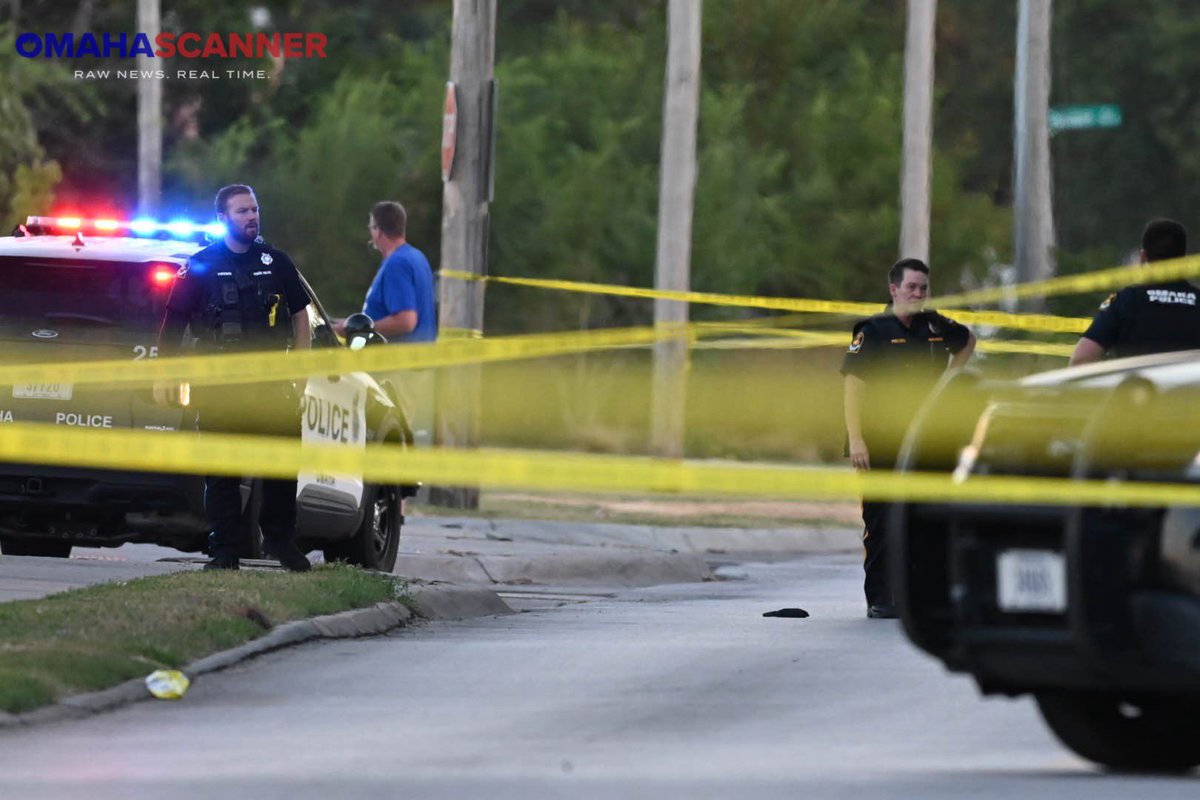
(99, 636)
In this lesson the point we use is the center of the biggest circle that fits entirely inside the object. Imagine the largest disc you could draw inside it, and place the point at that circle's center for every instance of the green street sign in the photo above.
(1073, 118)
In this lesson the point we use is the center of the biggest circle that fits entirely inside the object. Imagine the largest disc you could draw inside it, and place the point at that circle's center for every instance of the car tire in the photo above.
(377, 540)
(47, 548)
(1140, 733)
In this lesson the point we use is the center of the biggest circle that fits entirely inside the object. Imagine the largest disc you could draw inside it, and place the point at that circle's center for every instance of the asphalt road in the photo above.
(676, 691)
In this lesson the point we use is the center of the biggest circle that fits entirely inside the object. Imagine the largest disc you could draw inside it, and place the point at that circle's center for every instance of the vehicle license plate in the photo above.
(43, 391)
(1031, 581)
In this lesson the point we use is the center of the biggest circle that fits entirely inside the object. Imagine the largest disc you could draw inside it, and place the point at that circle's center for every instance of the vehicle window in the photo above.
(97, 295)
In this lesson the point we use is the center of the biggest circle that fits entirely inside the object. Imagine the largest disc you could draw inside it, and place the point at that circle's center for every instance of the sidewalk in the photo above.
(470, 552)
(508, 552)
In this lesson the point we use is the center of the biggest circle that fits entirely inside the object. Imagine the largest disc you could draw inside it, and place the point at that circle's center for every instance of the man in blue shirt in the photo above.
(401, 302)
(400, 299)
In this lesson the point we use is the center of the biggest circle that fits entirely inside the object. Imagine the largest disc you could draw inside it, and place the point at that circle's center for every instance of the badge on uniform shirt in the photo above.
(857, 344)
(266, 258)
(1108, 301)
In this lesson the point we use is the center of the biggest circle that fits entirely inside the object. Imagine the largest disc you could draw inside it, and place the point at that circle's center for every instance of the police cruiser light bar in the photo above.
(141, 227)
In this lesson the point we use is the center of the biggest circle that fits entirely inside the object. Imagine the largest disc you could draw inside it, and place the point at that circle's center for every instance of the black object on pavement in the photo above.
(792, 613)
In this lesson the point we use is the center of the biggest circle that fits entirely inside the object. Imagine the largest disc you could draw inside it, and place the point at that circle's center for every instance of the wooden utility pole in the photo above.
(466, 194)
(916, 165)
(1033, 211)
(677, 184)
(149, 115)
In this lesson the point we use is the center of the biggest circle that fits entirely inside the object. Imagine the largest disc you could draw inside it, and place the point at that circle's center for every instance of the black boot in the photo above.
(222, 561)
(289, 556)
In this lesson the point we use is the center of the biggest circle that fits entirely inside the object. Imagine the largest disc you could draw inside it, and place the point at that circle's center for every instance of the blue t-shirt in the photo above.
(404, 282)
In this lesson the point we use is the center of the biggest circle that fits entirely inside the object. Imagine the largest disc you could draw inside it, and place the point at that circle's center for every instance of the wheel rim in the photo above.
(381, 524)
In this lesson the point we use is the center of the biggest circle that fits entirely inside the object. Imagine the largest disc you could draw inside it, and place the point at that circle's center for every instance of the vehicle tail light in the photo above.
(163, 275)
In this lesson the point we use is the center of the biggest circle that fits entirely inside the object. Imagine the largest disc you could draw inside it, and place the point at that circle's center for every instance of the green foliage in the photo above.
(29, 92)
(576, 175)
(31, 190)
(798, 151)
(798, 163)
(367, 138)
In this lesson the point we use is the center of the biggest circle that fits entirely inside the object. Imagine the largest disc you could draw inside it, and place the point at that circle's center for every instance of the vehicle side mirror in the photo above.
(360, 331)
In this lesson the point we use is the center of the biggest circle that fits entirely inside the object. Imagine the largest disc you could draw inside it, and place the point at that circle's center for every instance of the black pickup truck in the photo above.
(1093, 610)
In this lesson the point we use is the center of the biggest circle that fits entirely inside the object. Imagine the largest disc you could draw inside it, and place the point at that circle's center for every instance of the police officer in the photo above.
(240, 294)
(894, 359)
(1146, 319)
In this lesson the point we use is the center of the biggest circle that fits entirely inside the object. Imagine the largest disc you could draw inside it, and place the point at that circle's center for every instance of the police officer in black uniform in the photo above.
(1151, 318)
(893, 361)
(240, 294)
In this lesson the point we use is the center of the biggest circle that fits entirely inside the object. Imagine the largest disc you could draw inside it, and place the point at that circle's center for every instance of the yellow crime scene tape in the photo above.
(549, 471)
(801, 340)
(1110, 279)
(1028, 322)
(242, 368)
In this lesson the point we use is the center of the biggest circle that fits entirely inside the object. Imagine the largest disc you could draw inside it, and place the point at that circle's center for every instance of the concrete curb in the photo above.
(432, 602)
(447, 601)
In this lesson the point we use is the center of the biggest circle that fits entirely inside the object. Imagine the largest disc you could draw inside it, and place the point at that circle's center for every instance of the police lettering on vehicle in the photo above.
(83, 420)
(327, 419)
(6, 416)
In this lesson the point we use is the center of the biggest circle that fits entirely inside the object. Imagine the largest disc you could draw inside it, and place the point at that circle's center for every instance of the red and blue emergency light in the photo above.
(141, 227)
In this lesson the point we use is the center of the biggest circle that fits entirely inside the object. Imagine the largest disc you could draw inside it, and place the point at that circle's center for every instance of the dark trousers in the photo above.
(223, 504)
(269, 409)
(875, 540)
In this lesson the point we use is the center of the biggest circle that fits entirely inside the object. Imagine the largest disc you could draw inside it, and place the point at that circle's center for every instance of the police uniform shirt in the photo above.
(900, 365)
(1148, 319)
(260, 278)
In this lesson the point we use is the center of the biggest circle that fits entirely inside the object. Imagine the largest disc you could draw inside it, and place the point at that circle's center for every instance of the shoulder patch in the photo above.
(857, 343)
(1108, 301)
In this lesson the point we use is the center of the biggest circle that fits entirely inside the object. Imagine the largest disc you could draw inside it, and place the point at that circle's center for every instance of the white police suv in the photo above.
(78, 289)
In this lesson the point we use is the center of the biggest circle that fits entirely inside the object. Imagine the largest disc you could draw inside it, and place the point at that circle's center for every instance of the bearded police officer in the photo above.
(894, 359)
(1146, 319)
(240, 294)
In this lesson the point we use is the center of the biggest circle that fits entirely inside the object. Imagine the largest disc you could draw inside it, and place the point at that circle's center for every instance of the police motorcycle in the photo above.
(1094, 610)
(77, 289)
